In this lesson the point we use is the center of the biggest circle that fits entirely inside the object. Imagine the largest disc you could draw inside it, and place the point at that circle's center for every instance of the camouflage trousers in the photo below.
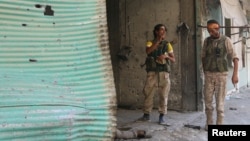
(215, 89)
(156, 81)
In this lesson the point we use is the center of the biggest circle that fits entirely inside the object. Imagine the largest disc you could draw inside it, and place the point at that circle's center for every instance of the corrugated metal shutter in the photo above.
(56, 79)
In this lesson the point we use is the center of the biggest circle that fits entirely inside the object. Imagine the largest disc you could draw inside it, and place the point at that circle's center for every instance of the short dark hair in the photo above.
(212, 21)
(157, 27)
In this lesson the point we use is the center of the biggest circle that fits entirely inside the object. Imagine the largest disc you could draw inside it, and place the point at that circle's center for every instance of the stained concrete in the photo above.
(237, 111)
(131, 24)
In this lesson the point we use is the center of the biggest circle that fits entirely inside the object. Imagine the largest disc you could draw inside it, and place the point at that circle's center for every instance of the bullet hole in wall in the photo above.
(32, 60)
(38, 6)
(48, 11)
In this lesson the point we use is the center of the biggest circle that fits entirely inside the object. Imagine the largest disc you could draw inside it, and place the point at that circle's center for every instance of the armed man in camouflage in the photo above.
(215, 52)
(159, 55)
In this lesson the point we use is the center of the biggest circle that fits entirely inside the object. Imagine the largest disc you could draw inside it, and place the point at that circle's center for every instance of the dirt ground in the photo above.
(186, 126)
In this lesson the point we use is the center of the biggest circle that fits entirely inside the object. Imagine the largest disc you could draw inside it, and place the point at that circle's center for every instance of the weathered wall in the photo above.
(136, 20)
(114, 38)
(56, 75)
(190, 91)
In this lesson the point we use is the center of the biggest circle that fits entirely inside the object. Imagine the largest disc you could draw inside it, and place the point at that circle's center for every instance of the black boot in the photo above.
(161, 119)
(145, 117)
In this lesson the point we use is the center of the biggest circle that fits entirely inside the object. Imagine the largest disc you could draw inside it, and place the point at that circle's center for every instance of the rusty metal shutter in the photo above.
(56, 79)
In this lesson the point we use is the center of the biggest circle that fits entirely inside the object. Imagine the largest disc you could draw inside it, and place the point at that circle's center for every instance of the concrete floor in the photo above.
(237, 111)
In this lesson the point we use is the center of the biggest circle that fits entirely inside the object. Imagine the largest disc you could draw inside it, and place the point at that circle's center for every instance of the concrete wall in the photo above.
(131, 24)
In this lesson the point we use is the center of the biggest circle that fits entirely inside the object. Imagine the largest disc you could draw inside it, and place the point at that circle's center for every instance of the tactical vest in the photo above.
(152, 65)
(216, 55)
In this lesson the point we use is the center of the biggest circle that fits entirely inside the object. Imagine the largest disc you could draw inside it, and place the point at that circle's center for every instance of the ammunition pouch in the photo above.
(150, 63)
